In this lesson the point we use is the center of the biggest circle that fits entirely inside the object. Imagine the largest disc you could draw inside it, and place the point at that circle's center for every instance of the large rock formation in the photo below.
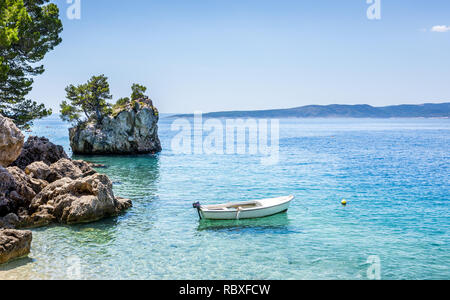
(51, 188)
(11, 142)
(39, 149)
(133, 130)
(14, 244)
(65, 191)
(78, 201)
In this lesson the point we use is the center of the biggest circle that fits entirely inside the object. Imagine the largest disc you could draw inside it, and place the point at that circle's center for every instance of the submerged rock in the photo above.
(39, 149)
(133, 130)
(96, 165)
(11, 142)
(14, 244)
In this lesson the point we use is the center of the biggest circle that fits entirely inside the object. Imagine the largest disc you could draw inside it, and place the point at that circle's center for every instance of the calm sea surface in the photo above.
(394, 173)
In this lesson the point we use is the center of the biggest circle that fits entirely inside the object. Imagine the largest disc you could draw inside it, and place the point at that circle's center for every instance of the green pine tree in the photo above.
(28, 31)
(88, 102)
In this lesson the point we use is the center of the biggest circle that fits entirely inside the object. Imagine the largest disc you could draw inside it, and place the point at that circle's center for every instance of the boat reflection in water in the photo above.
(274, 224)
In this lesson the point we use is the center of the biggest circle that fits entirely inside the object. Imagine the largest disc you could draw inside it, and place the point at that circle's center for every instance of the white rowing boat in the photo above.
(244, 210)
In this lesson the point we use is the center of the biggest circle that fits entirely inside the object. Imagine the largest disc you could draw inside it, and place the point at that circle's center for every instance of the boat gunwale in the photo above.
(250, 209)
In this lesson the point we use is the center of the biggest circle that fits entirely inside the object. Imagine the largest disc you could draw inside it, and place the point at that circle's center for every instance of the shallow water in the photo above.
(394, 173)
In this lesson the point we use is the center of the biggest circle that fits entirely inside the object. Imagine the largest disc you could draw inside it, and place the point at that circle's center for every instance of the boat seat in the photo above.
(243, 205)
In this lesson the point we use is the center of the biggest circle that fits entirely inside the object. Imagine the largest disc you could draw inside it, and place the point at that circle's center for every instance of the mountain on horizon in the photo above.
(429, 110)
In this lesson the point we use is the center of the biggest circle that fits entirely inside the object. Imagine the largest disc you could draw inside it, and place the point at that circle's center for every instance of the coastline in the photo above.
(311, 142)
(428, 110)
(315, 240)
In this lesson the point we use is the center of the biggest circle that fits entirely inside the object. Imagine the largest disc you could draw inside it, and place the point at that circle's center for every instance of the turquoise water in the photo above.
(394, 173)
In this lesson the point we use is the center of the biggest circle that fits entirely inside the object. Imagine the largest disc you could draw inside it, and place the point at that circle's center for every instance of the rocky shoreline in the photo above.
(40, 185)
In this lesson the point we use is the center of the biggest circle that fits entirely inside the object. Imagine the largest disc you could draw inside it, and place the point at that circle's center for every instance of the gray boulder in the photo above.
(11, 142)
(38, 170)
(39, 149)
(83, 200)
(25, 186)
(64, 168)
(10, 221)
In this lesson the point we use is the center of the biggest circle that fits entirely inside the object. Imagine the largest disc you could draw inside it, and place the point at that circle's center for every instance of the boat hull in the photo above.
(247, 213)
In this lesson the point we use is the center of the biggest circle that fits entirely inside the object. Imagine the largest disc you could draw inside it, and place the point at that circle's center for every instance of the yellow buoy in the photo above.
(344, 202)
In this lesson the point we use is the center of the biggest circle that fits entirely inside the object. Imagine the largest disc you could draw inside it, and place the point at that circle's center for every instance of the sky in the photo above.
(216, 55)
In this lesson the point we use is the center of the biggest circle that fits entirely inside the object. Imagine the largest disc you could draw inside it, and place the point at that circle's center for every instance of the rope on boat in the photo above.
(239, 209)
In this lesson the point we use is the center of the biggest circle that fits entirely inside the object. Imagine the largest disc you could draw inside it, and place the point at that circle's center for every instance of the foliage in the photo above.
(88, 102)
(137, 92)
(123, 101)
(29, 29)
(121, 104)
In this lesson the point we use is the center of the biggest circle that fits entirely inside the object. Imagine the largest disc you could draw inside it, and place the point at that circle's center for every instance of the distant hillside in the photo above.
(341, 111)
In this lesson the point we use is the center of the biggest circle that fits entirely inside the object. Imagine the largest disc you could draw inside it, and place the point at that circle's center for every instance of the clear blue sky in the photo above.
(213, 55)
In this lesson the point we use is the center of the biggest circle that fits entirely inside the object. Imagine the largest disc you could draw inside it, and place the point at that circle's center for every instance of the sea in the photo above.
(393, 173)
